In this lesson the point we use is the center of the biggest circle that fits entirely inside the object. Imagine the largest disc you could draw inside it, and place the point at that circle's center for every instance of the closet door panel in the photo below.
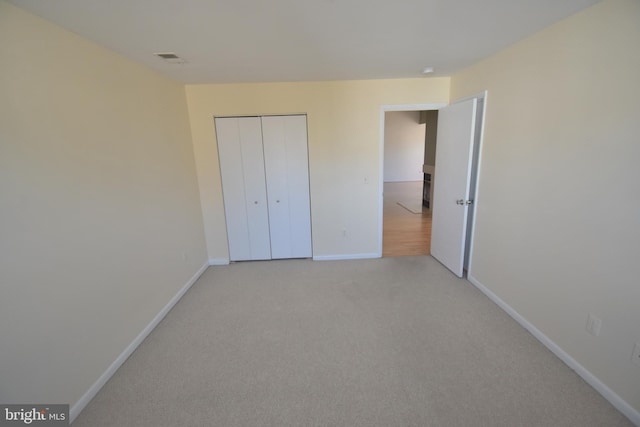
(244, 188)
(299, 199)
(255, 187)
(230, 156)
(287, 171)
(277, 189)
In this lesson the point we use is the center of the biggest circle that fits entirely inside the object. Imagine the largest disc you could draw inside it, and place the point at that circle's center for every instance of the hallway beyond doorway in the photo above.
(405, 233)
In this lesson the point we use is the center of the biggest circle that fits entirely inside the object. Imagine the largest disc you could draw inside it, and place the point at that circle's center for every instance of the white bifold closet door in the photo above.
(287, 170)
(265, 181)
(244, 187)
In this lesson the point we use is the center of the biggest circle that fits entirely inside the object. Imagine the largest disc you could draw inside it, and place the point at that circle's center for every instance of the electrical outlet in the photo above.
(593, 325)
(635, 357)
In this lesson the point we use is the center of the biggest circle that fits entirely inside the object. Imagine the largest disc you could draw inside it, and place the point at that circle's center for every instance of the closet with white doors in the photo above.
(265, 183)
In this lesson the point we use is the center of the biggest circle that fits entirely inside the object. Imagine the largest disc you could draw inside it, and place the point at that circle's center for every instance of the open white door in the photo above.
(454, 154)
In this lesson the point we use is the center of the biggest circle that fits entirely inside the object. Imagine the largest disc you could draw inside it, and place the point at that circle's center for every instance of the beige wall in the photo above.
(558, 204)
(344, 151)
(99, 202)
(404, 144)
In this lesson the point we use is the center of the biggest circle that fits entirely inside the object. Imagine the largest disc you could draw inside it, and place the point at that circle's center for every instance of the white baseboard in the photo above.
(344, 256)
(619, 403)
(76, 408)
(218, 261)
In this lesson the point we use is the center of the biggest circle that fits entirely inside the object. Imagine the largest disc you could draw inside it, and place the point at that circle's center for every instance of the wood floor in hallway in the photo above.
(405, 233)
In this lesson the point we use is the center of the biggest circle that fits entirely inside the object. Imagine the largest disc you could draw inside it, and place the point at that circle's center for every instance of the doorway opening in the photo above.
(406, 179)
(409, 163)
(453, 202)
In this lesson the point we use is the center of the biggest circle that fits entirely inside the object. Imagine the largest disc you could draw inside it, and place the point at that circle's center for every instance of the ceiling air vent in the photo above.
(170, 57)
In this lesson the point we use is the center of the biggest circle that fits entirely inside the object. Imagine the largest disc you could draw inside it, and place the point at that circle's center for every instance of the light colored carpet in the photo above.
(413, 206)
(386, 342)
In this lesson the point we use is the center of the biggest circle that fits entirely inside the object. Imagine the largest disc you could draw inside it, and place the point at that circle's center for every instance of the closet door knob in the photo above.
(277, 201)
(255, 203)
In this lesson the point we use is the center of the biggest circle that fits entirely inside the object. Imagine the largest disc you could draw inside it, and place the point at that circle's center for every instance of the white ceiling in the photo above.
(226, 41)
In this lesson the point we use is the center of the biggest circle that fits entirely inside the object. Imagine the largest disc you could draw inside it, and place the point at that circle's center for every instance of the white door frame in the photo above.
(383, 110)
